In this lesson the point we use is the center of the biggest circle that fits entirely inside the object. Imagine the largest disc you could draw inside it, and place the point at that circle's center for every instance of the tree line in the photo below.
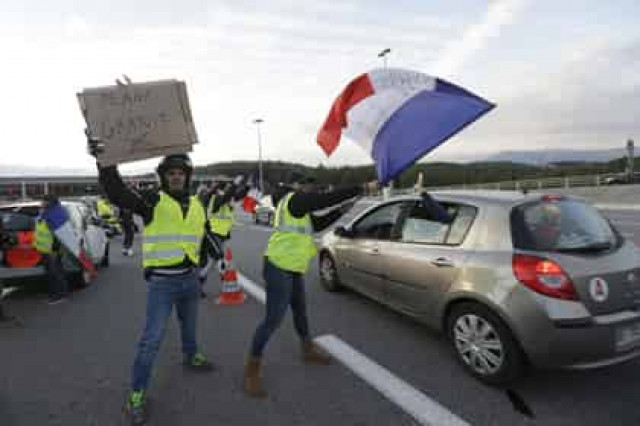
(435, 174)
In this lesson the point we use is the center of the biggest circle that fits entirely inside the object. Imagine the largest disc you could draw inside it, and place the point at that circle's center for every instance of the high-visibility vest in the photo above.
(171, 236)
(104, 208)
(221, 221)
(43, 241)
(291, 244)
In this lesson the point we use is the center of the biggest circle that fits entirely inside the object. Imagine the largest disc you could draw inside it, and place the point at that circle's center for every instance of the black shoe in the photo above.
(7, 319)
(203, 295)
(56, 299)
(199, 363)
(137, 408)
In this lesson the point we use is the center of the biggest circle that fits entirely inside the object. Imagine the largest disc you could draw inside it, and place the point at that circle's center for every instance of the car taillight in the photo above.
(543, 276)
(552, 197)
(23, 254)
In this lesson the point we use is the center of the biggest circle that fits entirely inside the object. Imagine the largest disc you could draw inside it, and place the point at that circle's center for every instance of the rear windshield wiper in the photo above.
(595, 247)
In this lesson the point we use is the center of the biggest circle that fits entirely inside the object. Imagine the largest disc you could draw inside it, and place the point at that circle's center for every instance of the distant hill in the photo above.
(542, 157)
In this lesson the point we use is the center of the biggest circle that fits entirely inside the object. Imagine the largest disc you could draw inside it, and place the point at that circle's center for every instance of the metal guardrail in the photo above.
(25, 188)
(28, 188)
(532, 184)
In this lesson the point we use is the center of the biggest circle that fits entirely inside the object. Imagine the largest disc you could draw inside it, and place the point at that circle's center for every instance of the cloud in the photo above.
(237, 67)
(499, 14)
(589, 100)
(287, 62)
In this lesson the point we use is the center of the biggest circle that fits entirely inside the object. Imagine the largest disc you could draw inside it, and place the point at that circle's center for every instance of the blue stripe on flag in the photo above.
(55, 216)
(421, 124)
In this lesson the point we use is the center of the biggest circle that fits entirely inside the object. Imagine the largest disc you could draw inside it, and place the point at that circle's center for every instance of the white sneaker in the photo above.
(130, 252)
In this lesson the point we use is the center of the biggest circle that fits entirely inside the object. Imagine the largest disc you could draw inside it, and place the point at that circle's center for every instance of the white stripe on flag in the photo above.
(366, 118)
(67, 236)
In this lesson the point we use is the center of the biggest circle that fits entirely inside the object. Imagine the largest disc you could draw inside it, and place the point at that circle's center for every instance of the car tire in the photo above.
(495, 358)
(329, 273)
(79, 279)
(104, 263)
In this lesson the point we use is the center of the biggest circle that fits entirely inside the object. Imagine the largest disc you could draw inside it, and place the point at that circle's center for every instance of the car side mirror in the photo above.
(343, 232)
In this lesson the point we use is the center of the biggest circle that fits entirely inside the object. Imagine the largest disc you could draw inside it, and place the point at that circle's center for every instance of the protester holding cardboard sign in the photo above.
(174, 222)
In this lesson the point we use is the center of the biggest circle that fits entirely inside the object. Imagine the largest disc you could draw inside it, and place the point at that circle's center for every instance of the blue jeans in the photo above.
(163, 292)
(284, 288)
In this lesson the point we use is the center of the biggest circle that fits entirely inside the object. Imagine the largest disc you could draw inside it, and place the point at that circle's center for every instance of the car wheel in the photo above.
(484, 345)
(329, 273)
(105, 259)
(80, 279)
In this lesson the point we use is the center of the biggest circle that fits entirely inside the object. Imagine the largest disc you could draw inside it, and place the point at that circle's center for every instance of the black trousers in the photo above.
(129, 231)
(58, 284)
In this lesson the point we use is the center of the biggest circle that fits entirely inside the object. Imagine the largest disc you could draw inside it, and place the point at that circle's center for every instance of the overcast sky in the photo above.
(564, 74)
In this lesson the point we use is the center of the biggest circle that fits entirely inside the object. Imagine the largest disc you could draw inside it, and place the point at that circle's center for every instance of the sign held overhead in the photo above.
(137, 121)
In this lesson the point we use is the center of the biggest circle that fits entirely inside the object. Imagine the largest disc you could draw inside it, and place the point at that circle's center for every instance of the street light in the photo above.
(257, 122)
(383, 54)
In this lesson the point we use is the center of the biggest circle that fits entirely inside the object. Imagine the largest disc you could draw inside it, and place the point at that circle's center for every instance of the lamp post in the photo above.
(257, 122)
(383, 54)
(386, 191)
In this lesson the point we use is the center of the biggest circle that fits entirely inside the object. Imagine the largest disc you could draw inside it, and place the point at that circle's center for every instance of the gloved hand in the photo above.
(95, 146)
(371, 187)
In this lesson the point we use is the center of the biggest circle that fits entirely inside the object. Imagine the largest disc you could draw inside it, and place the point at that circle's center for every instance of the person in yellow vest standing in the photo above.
(108, 214)
(49, 247)
(174, 226)
(290, 249)
(221, 220)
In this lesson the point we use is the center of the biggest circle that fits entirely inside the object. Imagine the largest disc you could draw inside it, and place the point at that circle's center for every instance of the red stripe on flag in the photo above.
(330, 132)
(87, 264)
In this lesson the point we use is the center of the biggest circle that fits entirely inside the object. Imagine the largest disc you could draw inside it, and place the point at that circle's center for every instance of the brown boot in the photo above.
(252, 382)
(311, 354)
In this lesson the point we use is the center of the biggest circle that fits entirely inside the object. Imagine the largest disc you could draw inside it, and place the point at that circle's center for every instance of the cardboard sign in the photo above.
(139, 121)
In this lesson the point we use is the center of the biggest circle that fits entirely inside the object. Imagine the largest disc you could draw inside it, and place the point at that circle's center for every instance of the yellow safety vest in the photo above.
(221, 221)
(291, 244)
(105, 208)
(170, 236)
(43, 241)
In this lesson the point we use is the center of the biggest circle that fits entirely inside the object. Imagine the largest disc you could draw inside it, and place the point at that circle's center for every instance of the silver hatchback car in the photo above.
(513, 280)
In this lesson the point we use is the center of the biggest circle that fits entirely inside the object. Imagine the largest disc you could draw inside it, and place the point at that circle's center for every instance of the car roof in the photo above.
(487, 197)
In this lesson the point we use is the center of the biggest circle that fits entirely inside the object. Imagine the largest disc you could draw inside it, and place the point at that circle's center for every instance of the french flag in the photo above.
(57, 219)
(398, 116)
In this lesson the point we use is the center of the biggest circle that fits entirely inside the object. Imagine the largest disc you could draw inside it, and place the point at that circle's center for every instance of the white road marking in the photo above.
(423, 409)
(252, 288)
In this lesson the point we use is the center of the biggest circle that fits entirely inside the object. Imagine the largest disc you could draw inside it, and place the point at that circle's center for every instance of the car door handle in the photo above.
(442, 262)
(373, 251)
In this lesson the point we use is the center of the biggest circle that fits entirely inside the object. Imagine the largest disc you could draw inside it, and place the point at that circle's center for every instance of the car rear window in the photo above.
(561, 225)
(16, 222)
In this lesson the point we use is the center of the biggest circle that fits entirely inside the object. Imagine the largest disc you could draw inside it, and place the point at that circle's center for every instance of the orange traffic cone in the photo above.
(231, 293)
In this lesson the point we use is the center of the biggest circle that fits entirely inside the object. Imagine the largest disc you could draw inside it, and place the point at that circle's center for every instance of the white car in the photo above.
(264, 212)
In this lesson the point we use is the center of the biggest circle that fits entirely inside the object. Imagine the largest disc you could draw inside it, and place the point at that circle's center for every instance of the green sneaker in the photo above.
(137, 407)
(198, 362)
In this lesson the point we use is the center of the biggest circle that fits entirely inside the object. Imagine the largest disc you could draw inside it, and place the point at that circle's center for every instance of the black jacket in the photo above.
(307, 203)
